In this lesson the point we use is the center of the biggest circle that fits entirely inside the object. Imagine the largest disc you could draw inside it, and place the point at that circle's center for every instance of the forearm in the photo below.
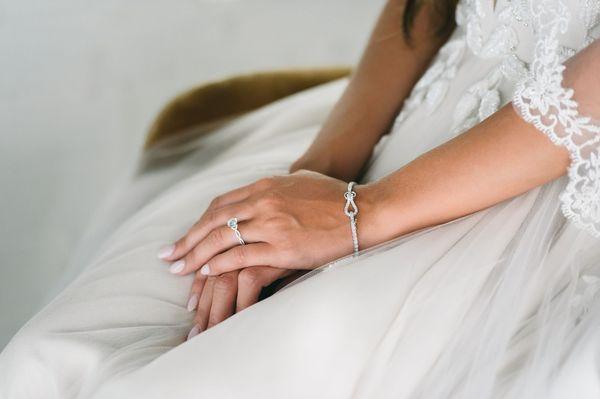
(500, 158)
(388, 70)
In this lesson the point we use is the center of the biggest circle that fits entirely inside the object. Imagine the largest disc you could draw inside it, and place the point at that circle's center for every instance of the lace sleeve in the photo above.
(560, 99)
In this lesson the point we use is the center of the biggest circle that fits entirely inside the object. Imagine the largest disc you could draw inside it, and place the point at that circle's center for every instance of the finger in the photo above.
(203, 311)
(240, 257)
(218, 241)
(224, 296)
(196, 291)
(242, 193)
(220, 210)
(209, 221)
(233, 196)
(252, 280)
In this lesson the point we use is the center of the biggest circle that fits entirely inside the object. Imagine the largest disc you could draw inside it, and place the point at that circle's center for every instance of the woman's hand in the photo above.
(288, 222)
(217, 298)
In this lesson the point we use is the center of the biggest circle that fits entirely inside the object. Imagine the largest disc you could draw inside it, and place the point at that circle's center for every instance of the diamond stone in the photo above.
(232, 223)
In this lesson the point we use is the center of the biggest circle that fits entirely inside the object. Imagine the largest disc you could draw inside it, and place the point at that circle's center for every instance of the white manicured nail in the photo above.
(177, 267)
(193, 332)
(205, 270)
(166, 251)
(192, 303)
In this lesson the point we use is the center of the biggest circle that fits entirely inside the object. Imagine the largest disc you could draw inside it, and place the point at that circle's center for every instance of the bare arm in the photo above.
(500, 158)
(388, 70)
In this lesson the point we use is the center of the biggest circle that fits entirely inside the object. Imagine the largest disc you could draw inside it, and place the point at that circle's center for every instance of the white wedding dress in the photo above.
(498, 304)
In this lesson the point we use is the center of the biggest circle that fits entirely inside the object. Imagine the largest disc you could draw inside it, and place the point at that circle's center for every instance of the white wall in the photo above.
(80, 81)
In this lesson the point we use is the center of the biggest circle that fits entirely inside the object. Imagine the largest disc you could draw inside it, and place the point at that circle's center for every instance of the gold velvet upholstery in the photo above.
(216, 102)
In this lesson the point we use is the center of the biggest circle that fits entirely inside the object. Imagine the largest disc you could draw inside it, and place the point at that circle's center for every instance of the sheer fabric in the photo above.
(503, 303)
(555, 110)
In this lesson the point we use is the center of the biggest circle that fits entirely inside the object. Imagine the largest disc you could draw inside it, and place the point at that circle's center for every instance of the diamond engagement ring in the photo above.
(233, 225)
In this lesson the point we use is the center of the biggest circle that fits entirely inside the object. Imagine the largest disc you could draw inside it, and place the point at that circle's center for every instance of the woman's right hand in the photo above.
(216, 298)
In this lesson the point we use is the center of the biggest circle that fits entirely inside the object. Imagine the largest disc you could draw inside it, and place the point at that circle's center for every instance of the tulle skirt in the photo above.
(498, 304)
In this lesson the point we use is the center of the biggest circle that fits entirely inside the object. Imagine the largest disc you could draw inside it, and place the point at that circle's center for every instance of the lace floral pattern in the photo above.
(541, 100)
(590, 17)
(539, 96)
(431, 89)
(484, 97)
(480, 101)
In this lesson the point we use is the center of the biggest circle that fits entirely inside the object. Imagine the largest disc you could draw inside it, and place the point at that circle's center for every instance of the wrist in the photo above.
(379, 218)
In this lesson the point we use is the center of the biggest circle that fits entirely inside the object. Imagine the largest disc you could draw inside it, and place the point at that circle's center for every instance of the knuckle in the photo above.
(225, 283)
(239, 256)
(278, 225)
(249, 277)
(187, 241)
(216, 202)
(216, 237)
(272, 201)
(210, 217)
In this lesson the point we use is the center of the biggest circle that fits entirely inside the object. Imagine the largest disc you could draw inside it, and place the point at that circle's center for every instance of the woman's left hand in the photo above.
(288, 222)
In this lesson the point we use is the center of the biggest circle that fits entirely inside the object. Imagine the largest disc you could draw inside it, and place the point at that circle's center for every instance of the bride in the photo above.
(464, 264)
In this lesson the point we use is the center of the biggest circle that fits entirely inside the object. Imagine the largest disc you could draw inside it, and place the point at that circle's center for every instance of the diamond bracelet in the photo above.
(351, 210)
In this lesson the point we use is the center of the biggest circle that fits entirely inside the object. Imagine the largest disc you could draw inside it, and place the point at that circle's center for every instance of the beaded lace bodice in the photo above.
(527, 42)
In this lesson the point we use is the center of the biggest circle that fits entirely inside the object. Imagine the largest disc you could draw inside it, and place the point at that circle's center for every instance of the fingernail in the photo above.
(177, 267)
(205, 270)
(166, 251)
(193, 332)
(192, 303)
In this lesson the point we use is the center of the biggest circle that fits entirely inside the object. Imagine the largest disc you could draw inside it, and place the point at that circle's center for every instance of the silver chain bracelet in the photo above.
(351, 210)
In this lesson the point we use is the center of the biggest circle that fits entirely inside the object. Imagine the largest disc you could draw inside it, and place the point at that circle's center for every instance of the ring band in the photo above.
(233, 225)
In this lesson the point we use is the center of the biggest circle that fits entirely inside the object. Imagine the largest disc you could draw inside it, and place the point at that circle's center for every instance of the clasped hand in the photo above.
(289, 223)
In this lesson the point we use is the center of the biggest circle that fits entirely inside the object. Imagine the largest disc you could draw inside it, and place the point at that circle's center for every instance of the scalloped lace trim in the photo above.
(541, 100)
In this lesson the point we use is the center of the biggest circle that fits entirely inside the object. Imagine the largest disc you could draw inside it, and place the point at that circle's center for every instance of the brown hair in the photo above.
(443, 11)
